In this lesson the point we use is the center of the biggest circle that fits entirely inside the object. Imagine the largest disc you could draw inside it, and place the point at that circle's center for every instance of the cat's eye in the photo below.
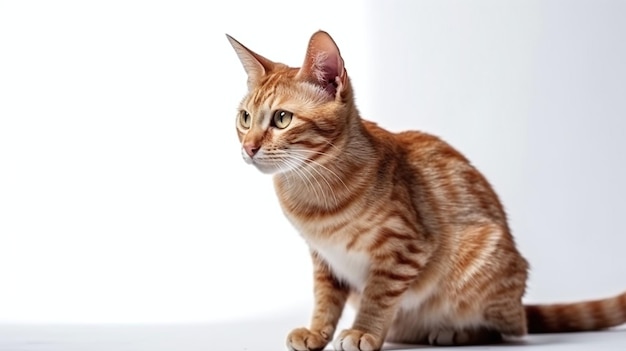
(244, 119)
(282, 119)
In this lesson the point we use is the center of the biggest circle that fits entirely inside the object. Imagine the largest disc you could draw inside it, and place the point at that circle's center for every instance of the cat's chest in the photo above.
(348, 266)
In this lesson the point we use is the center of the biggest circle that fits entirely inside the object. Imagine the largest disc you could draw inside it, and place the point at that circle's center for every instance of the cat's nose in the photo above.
(251, 149)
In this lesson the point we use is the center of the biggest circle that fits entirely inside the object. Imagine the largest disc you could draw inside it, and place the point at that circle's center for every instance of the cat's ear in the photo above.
(323, 64)
(256, 66)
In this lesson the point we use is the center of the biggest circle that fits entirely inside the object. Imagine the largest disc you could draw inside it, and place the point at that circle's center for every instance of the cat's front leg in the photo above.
(378, 305)
(330, 299)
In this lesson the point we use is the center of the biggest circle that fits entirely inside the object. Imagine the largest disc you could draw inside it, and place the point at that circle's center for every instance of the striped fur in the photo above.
(400, 225)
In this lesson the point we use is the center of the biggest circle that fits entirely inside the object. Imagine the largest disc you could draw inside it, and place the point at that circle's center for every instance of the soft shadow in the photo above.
(529, 340)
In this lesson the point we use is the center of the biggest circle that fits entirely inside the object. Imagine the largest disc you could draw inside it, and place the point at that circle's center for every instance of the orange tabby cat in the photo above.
(400, 224)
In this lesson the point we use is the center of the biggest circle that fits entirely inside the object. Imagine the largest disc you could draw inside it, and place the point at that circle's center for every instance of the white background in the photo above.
(123, 197)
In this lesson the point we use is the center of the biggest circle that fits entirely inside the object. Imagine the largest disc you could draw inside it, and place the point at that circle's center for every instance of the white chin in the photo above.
(272, 168)
(267, 169)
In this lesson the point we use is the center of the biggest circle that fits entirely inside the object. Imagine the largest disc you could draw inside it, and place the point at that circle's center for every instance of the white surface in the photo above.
(123, 198)
(257, 335)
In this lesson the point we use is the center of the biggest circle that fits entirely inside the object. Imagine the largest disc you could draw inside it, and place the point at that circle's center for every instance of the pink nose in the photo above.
(251, 149)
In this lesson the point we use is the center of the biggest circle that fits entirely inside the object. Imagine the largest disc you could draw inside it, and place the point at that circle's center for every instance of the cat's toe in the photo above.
(356, 340)
(302, 339)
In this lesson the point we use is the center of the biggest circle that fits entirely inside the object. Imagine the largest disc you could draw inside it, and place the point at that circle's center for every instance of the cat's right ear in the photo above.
(256, 66)
(323, 64)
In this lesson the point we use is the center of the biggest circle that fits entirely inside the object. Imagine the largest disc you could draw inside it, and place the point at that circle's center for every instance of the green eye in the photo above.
(282, 119)
(245, 119)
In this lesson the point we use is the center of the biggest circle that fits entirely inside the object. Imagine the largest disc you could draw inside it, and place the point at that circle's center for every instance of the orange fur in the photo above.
(400, 224)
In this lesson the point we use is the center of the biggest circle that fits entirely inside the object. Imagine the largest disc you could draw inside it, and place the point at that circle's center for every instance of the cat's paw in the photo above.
(302, 339)
(356, 340)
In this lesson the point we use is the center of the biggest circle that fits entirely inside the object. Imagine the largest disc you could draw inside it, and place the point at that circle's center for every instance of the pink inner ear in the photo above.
(323, 64)
(326, 69)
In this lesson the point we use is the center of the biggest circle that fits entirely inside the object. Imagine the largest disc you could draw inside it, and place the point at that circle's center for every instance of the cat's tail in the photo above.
(578, 316)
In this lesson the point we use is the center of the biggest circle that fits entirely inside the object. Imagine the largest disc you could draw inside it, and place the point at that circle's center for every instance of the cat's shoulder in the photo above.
(410, 138)
(414, 143)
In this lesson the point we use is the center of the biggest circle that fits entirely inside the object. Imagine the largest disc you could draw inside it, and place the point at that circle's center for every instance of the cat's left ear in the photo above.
(256, 66)
(323, 64)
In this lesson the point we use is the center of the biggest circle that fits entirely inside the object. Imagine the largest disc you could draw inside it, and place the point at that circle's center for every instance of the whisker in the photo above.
(333, 145)
(298, 170)
(302, 158)
(330, 188)
(313, 152)
(323, 198)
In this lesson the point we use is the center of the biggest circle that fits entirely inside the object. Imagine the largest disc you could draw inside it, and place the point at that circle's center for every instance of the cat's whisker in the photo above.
(293, 168)
(285, 169)
(328, 142)
(305, 177)
(318, 167)
(315, 163)
(324, 178)
(322, 198)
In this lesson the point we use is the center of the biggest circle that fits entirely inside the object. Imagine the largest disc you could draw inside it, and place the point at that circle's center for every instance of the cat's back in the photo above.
(415, 145)
(440, 176)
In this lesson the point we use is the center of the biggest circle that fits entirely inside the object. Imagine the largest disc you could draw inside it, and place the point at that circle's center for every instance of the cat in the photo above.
(400, 225)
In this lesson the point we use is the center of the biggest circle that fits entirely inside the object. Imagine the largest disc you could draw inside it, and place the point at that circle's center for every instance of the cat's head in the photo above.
(293, 117)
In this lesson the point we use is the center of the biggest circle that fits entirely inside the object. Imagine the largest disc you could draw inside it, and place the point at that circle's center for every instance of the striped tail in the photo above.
(576, 317)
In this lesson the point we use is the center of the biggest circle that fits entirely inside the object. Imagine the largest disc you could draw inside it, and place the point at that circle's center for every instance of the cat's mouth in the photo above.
(261, 162)
(270, 164)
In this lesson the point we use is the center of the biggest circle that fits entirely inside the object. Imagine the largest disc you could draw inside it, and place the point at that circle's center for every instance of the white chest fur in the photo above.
(348, 266)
